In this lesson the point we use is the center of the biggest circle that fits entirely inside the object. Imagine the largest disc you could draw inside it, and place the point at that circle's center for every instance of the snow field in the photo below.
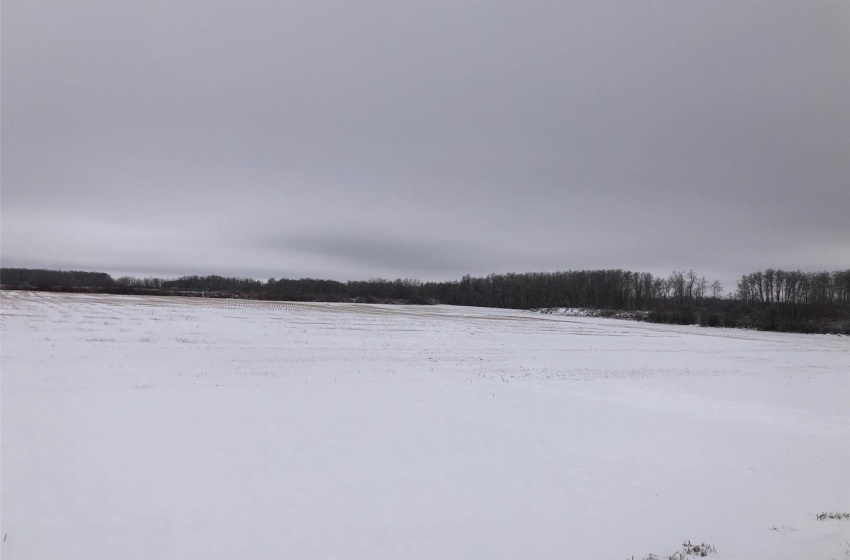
(138, 427)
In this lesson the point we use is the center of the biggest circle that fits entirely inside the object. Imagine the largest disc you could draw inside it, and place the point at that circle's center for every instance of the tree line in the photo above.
(767, 300)
(773, 287)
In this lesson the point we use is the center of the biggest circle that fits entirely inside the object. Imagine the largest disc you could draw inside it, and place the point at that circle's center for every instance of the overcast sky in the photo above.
(425, 139)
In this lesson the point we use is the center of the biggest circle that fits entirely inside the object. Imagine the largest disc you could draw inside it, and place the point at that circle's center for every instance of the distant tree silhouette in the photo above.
(769, 300)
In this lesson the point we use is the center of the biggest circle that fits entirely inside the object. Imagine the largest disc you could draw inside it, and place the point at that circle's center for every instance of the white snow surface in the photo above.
(145, 427)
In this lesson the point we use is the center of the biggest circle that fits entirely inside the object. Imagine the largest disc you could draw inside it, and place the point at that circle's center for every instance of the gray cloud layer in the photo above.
(427, 139)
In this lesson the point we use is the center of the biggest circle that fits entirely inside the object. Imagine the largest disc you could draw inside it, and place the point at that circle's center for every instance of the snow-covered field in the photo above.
(147, 428)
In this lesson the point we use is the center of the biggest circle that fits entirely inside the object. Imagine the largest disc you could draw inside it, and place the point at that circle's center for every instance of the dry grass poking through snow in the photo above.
(688, 551)
(833, 515)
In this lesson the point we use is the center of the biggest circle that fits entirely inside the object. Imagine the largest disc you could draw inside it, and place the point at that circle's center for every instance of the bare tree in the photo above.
(716, 289)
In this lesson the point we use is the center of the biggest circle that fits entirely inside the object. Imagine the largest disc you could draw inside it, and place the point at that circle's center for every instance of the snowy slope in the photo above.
(147, 428)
